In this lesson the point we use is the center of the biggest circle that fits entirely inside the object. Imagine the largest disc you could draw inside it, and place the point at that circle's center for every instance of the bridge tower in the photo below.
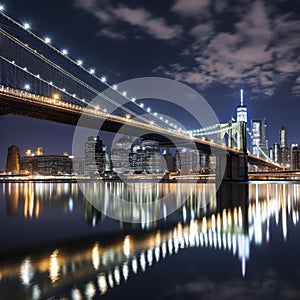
(236, 168)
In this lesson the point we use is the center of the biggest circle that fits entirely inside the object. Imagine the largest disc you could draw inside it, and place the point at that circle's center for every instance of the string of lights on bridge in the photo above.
(92, 71)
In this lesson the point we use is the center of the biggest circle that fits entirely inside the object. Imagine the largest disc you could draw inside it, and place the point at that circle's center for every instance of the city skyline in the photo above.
(114, 63)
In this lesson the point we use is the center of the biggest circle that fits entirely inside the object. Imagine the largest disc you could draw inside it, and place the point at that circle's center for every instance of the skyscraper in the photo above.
(13, 160)
(241, 113)
(259, 142)
(283, 146)
(96, 157)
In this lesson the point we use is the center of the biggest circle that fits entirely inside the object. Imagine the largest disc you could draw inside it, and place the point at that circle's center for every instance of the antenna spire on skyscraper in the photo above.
(242, 97)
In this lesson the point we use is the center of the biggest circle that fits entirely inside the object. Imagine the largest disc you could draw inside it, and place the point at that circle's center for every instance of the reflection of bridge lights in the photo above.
(54, 267)
(110, 280)
(76, 294)
(117, 276)
(90, 290)
(36, 292)
(125, 271)
(134, 265)
(102, 284)
(26, 272)
(143, 261)
(150, 257)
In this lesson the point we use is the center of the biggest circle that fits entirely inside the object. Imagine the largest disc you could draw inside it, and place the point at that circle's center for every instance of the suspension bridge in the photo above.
(39, 80)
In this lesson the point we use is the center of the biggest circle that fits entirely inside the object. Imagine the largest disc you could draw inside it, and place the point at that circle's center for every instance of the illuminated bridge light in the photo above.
(2, 7)
(64, 51)
(79, 62)
(115, 87)
(92, 71)
(26, 26)
(133, 99)
(124, 94)
(27, 87)
(47, 40)
(103, 79)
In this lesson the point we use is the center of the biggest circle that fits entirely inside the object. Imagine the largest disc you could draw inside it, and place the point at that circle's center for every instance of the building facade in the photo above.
(13, 160)
(259, 140)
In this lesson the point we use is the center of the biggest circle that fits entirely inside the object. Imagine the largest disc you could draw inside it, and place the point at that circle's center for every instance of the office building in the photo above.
(241, 114)
(284, 149)
(13, 160)
(97, 159)
(146, 158)
(295, 157)
(46, 165)
(120, 155)
(259, 141)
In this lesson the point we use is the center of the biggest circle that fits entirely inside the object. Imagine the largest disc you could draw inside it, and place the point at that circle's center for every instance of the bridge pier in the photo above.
(235, 168)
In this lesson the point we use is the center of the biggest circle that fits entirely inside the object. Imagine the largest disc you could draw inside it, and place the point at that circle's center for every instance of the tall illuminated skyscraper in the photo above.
(259, 141)
(241, 113)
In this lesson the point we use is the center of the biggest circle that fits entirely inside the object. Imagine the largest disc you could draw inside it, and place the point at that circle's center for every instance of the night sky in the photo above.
(217, 47)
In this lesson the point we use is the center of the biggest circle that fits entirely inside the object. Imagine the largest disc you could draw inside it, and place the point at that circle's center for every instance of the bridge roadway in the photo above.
(31, 105)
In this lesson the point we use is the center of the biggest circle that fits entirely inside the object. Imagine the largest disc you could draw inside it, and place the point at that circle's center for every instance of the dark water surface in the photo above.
(242, 242)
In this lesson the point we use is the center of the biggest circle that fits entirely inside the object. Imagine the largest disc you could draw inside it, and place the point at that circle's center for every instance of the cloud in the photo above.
(191, 7)
(256, 50)
(140, 18)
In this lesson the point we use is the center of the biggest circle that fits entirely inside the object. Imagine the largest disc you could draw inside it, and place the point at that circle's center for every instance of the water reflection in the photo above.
(239, 216)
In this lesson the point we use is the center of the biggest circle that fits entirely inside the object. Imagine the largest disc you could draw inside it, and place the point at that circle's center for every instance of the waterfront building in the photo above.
(46, 165)
(13, 160)
(146, 157)
(120, 154)
(295, 157)
(97, 159)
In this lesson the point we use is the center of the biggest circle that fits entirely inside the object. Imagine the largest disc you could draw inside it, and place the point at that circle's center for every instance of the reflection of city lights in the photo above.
(36, 292)
(143, 261)
(96, 256)
(110, 280)
(126, 246)
(54, 267)
(150, 256)
(26, 272)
